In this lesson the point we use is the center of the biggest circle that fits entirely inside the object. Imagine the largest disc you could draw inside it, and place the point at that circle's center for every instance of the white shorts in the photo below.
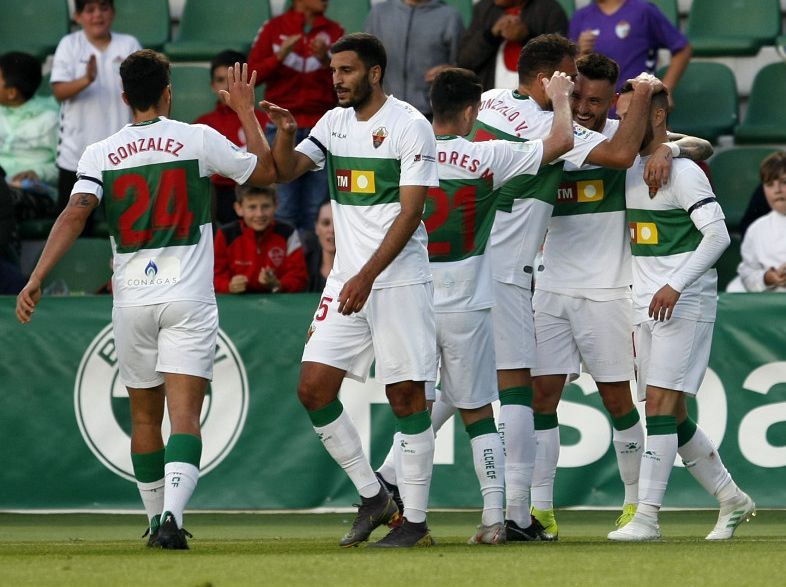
(569, 330)
(465, 344)
(396, 327)
(672, 354)
(173, 337)
(514, 327)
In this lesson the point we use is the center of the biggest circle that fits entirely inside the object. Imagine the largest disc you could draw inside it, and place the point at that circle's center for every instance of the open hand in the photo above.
(239, 94)
(280, 117)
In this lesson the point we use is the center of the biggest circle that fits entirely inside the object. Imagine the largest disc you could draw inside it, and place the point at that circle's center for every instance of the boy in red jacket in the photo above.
(256, 253)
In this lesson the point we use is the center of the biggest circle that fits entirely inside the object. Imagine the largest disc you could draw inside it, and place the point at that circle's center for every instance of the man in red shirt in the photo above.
(290, 56)
(256, 253)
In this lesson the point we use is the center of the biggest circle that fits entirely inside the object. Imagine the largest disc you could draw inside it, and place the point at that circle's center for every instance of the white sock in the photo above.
(388, 468)
(152, 495)
(545, 470)
(629, 444)
(517, 431)
(656, 464)
(489, 459)
(441, 412)
(180, 480)
(414, 472)
(342, 441)
(702, 460)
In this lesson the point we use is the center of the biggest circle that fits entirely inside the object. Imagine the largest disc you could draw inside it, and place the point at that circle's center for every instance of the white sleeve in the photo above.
(315, 145)
(693, 193)
(751, 269)
(89, 175)
(64, 61)
(584, 141)
(715, 240)
(417, 149)
(512, 159)
(225, 158)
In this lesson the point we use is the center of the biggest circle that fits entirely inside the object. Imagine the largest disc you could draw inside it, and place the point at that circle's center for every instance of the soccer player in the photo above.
(582, 298)
(379, 300)
(524, 209)
(154, 178)
(459, 216)
(676, 237)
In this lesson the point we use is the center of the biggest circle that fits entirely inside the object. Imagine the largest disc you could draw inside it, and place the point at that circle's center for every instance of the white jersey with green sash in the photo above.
(460, 213)
(366, 162)
(154, 181)
(525, 204)
(587, 244)
(664, 232)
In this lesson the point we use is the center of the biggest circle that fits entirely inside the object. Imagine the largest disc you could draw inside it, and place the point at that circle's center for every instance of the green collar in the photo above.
(446, 137)
(519, 96)
(147, 122)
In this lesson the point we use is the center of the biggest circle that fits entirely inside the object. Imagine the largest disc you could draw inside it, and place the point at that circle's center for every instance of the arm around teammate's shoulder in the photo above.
(560, 138)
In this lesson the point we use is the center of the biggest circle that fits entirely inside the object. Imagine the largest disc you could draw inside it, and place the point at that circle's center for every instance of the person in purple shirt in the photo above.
(631, 32)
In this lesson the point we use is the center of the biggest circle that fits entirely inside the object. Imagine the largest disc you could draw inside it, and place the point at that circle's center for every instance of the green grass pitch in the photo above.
(83, 550)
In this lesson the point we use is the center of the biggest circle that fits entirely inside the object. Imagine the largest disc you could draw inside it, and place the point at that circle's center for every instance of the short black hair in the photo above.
(145, 75)
(595, 66)
(773, 166)
(660, 99)
(452, 91)
(226, 59)
(543, 54)
(369, 48)
(21, 71)
(79, 5)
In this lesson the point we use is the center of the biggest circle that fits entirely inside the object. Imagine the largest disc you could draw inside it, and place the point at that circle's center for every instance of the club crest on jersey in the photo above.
(643, 233)
(622, 29)
(580, 191)
(355, 181)
(276, 255)
(378, 136)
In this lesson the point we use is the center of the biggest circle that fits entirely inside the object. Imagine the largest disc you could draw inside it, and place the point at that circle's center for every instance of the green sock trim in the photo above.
(184, 448)
(324, 416)
(416, 423)
(627, 421)
(520, 396)
(546, 421)
(148, 466)
(685, 431)
(660, 425)
(481, 427)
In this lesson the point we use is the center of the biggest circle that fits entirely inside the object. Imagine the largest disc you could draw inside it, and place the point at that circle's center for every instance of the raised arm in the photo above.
(560, 138)
(290, 164)
(66, 230)
(357, 289)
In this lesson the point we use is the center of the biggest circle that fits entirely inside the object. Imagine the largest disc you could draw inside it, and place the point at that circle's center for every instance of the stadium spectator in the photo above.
(763, 266)
(28, 134)
(86, 82)
(378, 301)
(225, 121)
(321, 249)
(499, 29)
(164, 316)
(256, 253)
(676, 237)
(421, 38)
(11, 279)
(291, 57)
(631, 32)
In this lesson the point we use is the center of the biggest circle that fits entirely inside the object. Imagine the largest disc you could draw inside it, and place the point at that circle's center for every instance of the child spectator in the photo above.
(256, 253)
(225, 121)
(290, 56)
(86, 81)
(763, 265)
(321, 249)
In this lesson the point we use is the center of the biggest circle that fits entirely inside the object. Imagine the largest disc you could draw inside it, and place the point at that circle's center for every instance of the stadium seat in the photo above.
(350, 15)
(765, 120)
(191, 95)
(705, 101)
(569, 6)
(147, 20)
(732, 27)
(735, 174)
(670, 9)
(84, 268)
(207, 27)
(33, 26)
(728, 263)
(463, 6)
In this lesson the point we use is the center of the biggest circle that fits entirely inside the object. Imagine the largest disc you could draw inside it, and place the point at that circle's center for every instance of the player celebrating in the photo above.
(582, 298)
(378, 300)
(154, 178)
(524, 209)
(676, 237)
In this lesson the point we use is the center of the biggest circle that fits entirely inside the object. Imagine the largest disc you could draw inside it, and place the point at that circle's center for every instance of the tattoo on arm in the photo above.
(80, 201)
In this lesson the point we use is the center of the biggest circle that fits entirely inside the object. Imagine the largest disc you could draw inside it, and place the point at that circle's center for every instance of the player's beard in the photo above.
(360, 95)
